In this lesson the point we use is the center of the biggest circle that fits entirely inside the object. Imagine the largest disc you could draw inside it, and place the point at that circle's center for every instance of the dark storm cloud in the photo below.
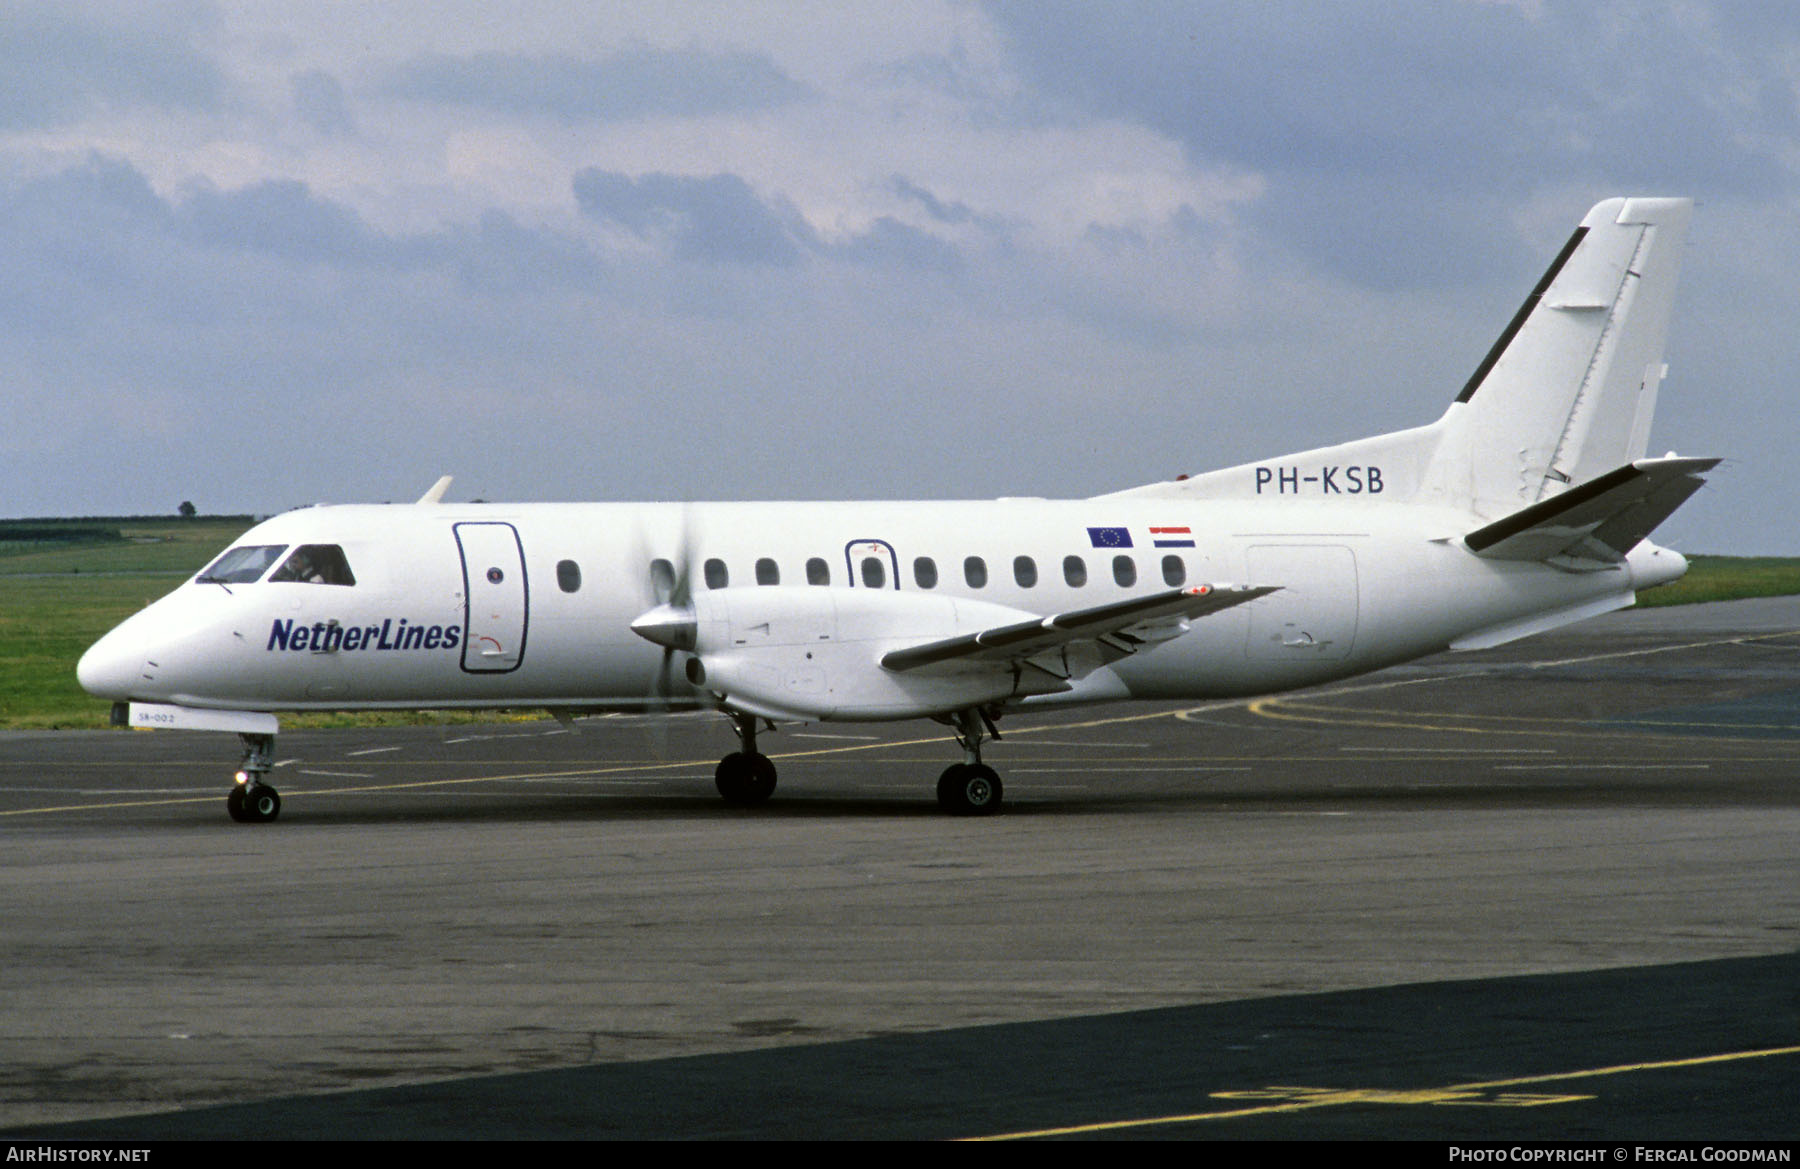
(628, 84)
(56, 68)
(954, 213)
(283, 218)
(717, 219)
(320, 102)
(274, 340)
(74, 241)
(936, 208)
(1340, 90)
(1382, 131)
(502, 257)
(95, 241)
(224, 334)
(890, 243)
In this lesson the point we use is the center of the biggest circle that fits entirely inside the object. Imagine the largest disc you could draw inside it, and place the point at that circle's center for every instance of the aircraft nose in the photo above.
(112, 666)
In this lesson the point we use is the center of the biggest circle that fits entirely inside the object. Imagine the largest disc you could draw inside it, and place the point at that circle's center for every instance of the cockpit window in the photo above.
(242, 565)
(316, 564)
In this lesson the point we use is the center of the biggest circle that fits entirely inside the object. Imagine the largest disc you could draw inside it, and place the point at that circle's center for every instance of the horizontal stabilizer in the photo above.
(1601, 519)
(1012, 643)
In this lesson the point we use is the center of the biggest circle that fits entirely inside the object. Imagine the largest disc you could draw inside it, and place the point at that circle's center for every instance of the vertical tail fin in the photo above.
(1564, 396)
(1567, 392)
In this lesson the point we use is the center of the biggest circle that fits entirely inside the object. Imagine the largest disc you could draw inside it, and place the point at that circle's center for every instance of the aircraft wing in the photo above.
(1116, 629)
(1601, 519)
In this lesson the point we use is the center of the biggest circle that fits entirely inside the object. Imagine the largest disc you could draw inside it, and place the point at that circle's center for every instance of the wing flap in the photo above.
(1601, 519)
(1115, 622)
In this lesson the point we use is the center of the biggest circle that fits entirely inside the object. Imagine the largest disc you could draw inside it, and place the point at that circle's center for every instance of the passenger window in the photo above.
(568, 576)
(925, 572)
(242, 565)
(1174, 571)
(1074, 571)
(1124, 571)
(767, 572)
(975, 572)
(717, 577)
(874, 573)
(818, 572)
(1025, 571)
(662, 580)
(316, 564)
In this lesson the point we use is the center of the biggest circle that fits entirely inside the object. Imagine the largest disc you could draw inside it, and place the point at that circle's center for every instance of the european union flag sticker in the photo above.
(1110, 537)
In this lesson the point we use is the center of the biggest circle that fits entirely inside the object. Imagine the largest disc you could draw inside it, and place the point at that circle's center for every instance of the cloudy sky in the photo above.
(263, 254)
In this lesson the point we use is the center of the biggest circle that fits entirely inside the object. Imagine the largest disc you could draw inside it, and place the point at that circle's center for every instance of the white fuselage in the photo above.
(489, 605)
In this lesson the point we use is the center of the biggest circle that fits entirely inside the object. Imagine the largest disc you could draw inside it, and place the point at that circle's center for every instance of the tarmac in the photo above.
(1547, 891)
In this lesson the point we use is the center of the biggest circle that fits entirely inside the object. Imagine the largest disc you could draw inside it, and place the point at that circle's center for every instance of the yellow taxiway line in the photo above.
(1479, 1092)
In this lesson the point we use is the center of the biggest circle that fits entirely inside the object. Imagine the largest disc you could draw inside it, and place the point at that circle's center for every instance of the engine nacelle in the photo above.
(806, 652)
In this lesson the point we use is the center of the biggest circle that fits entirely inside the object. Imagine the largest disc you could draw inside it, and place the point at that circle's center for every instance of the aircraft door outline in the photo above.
(495, 597)
(857, 557)
(1314, 616)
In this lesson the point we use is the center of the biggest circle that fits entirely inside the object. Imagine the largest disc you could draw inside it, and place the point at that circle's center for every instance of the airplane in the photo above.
(1525, 507)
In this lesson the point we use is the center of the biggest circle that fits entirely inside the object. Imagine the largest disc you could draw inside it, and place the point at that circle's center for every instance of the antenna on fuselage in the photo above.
(436, 494)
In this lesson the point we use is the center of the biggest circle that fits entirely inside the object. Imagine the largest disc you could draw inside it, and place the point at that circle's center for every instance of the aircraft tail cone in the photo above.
(1652, 566)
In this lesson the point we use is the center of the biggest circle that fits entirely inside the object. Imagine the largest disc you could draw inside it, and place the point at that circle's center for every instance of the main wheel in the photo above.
(969, 789)
(262, 803)
(745, 780)
(234, 804)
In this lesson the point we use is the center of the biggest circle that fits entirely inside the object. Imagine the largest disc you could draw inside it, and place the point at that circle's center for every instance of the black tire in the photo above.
(969, 789)
(234, 804)
(262, 803)
(745, 780)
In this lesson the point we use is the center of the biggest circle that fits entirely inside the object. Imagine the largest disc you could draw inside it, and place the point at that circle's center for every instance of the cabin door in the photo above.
(494, 597)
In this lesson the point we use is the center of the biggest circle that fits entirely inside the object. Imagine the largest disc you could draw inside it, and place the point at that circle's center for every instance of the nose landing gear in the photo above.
(251, 800)
(745, 778)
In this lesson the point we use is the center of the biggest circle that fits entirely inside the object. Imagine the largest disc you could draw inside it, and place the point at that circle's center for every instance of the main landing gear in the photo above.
(745, 777)
(970, 788)
(251, 800)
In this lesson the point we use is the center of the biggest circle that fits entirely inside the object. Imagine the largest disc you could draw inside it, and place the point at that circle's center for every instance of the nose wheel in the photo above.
(745, 778)
(251, 800)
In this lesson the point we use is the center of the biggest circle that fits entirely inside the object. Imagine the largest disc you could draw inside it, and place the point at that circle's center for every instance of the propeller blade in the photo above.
(670, 620)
